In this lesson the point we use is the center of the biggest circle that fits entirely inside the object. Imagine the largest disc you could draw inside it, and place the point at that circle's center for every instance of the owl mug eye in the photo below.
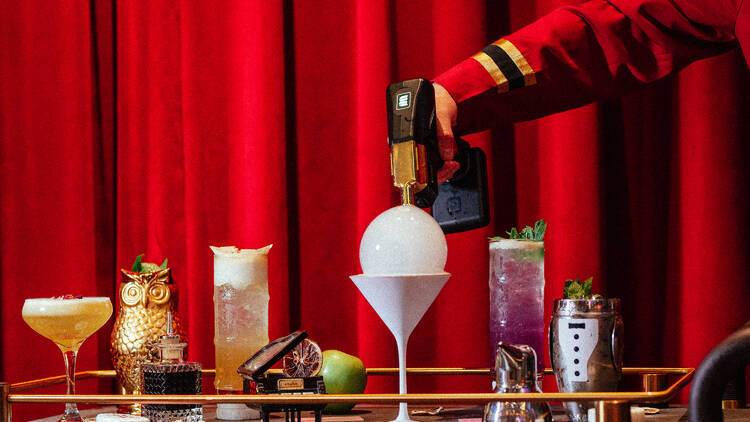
(158, 293)
(131, 293)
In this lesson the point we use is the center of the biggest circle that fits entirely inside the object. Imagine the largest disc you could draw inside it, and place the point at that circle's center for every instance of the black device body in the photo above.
(462, 202)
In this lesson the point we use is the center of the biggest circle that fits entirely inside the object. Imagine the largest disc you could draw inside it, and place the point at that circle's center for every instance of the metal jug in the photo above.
(515, 372)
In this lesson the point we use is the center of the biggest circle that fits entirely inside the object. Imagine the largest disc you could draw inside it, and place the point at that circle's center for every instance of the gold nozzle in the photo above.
(407, 194)
(404, 169)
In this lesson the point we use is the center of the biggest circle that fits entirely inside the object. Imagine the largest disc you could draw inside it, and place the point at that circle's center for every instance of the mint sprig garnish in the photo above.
(535, 234)
(146, 267)
(538, 232)
(574, 289)
(137, 264)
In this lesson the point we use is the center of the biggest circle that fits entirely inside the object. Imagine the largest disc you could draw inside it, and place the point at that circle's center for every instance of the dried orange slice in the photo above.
(304, 361)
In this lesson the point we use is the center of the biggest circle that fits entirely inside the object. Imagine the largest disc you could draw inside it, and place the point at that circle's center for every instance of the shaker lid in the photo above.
(271, 353)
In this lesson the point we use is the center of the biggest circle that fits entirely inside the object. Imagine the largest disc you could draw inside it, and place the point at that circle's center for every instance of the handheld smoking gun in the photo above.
(459, 204)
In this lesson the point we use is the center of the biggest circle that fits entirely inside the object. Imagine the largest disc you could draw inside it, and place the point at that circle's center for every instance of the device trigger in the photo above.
(462, 157)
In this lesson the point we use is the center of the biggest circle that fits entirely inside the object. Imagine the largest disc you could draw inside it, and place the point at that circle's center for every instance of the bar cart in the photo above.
(659, 385)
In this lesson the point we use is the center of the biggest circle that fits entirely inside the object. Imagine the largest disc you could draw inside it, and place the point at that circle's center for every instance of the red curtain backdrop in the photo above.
(164, 127)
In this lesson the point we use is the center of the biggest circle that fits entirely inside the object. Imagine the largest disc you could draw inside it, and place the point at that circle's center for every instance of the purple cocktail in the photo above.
(517, 295)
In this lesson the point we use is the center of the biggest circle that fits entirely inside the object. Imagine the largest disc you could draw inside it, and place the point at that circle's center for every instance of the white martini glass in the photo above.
(401, 301)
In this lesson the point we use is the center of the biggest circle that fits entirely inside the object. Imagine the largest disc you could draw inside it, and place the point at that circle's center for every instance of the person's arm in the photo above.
(579, 54)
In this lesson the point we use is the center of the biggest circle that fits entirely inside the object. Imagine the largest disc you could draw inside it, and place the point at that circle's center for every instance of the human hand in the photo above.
(446, 114)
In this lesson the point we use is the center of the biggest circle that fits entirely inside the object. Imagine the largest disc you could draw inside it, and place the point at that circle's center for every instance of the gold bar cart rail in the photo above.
(611, 406)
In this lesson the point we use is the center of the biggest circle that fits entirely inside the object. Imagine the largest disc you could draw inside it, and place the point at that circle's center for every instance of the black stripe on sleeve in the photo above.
(506, 65)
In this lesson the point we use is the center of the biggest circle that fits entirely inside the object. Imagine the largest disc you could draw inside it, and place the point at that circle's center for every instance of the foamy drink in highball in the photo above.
(240, 316)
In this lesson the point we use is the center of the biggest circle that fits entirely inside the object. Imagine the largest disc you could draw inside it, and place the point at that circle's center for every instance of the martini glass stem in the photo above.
(71, 410)
(401, 342)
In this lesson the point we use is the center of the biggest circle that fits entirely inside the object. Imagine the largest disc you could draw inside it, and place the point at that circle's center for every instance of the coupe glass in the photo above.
(68, 322)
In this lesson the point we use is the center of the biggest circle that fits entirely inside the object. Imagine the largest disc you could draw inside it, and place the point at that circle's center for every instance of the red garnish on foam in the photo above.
(67, 297)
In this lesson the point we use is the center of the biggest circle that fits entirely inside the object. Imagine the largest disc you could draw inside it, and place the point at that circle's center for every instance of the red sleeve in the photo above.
(578, 54)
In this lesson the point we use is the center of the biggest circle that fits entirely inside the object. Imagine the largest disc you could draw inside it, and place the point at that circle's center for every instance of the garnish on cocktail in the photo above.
(527, 233)
(574, 289)
(146, 267)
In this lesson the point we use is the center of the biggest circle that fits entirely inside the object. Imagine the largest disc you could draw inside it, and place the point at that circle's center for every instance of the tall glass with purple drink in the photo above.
(517, 291)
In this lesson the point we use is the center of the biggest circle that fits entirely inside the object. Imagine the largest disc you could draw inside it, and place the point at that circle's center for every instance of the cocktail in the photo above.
(240, 319)
(403, 254)
(517, 295)
(67, 321)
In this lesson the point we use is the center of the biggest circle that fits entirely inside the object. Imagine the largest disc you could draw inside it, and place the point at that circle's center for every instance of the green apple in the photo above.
(342, 374)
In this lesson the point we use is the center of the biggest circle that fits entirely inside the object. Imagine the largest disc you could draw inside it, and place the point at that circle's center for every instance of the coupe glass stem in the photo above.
(71, 410)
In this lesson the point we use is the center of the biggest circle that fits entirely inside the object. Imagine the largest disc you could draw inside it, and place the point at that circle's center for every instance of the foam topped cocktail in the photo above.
(240, 318)
(517, 291)
(67, 321)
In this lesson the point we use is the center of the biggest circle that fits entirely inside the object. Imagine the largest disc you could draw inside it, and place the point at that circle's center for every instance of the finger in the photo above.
(447, 146)
(447, 171)
(446, 143)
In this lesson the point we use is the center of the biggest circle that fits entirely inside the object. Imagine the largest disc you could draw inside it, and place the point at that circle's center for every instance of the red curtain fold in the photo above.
(55, 181)
(202, 146)
(163, 128)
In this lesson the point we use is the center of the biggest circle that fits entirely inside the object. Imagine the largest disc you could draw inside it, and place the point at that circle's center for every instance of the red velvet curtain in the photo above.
(164, 127)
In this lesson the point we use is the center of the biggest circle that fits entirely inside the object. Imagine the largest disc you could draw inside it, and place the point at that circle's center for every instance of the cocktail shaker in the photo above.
(515, 372)
(585, 340)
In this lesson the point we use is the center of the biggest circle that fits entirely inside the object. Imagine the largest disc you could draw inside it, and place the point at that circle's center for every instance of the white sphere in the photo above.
(403, 240)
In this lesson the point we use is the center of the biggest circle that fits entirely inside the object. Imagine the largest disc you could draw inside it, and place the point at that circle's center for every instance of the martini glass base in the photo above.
(403, 414)
(401, 301)
(403, 409)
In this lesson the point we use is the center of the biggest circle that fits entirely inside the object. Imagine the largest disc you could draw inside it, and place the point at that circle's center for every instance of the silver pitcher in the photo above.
(515, 372)
(586, 342)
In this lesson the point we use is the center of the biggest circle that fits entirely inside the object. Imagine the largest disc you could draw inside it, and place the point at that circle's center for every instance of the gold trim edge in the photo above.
(447, 398)
(42, 382)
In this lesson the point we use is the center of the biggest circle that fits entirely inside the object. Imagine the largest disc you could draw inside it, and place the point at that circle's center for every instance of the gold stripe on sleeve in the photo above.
(491, 67)
(519, 60)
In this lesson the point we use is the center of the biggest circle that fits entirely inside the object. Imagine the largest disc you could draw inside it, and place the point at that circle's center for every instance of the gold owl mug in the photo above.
(144, 300)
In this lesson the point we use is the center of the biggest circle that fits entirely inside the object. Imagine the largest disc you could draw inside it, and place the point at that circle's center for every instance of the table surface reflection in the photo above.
(373, 413)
